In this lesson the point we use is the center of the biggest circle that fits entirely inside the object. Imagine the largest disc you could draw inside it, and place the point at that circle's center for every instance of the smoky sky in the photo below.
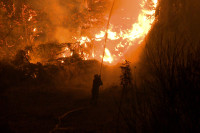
(66, 17)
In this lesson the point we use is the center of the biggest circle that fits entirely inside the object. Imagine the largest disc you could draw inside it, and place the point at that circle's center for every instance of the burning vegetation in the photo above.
(81, 25)
(147, 53)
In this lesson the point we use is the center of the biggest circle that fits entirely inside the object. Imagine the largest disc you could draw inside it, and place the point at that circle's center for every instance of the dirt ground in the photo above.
(37, 111)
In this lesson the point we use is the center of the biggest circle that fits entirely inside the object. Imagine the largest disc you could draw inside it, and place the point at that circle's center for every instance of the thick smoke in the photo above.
(126, 13)
(59, 15)
(71, 18)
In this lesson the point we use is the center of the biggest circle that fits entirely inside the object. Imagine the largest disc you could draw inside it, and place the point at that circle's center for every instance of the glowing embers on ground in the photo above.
(119, 39)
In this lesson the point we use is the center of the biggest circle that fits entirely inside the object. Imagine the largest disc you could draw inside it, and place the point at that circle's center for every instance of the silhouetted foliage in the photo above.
(168, 83)
(126, 77)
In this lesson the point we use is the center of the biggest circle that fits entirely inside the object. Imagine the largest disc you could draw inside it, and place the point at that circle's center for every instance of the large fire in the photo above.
(88, 43)
(119, 40)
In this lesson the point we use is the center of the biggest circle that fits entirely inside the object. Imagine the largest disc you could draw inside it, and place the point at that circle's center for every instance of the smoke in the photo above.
(126, 12)
(174, 38)
(59, 18)
(174, 19)
(71, 18)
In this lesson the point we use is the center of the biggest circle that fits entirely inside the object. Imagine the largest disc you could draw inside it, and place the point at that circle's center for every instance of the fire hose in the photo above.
(106, 35)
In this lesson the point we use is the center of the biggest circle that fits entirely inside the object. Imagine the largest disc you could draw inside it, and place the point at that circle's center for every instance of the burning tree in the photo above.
(80, 23)
(17, 24)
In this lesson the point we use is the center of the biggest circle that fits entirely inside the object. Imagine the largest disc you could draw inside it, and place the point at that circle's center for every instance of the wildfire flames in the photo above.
(91, 45)
(118, 41)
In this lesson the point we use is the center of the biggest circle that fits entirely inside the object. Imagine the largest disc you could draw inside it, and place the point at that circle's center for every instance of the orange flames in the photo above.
(121, 39)
(108, 57)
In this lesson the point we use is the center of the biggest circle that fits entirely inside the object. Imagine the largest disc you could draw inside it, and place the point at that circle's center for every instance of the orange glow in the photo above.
(30, 18)
(84, 40)
(108, 57)
(119, 39)
(35, 29)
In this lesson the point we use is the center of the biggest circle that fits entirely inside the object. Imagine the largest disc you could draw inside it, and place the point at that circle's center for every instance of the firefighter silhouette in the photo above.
(95, 88)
